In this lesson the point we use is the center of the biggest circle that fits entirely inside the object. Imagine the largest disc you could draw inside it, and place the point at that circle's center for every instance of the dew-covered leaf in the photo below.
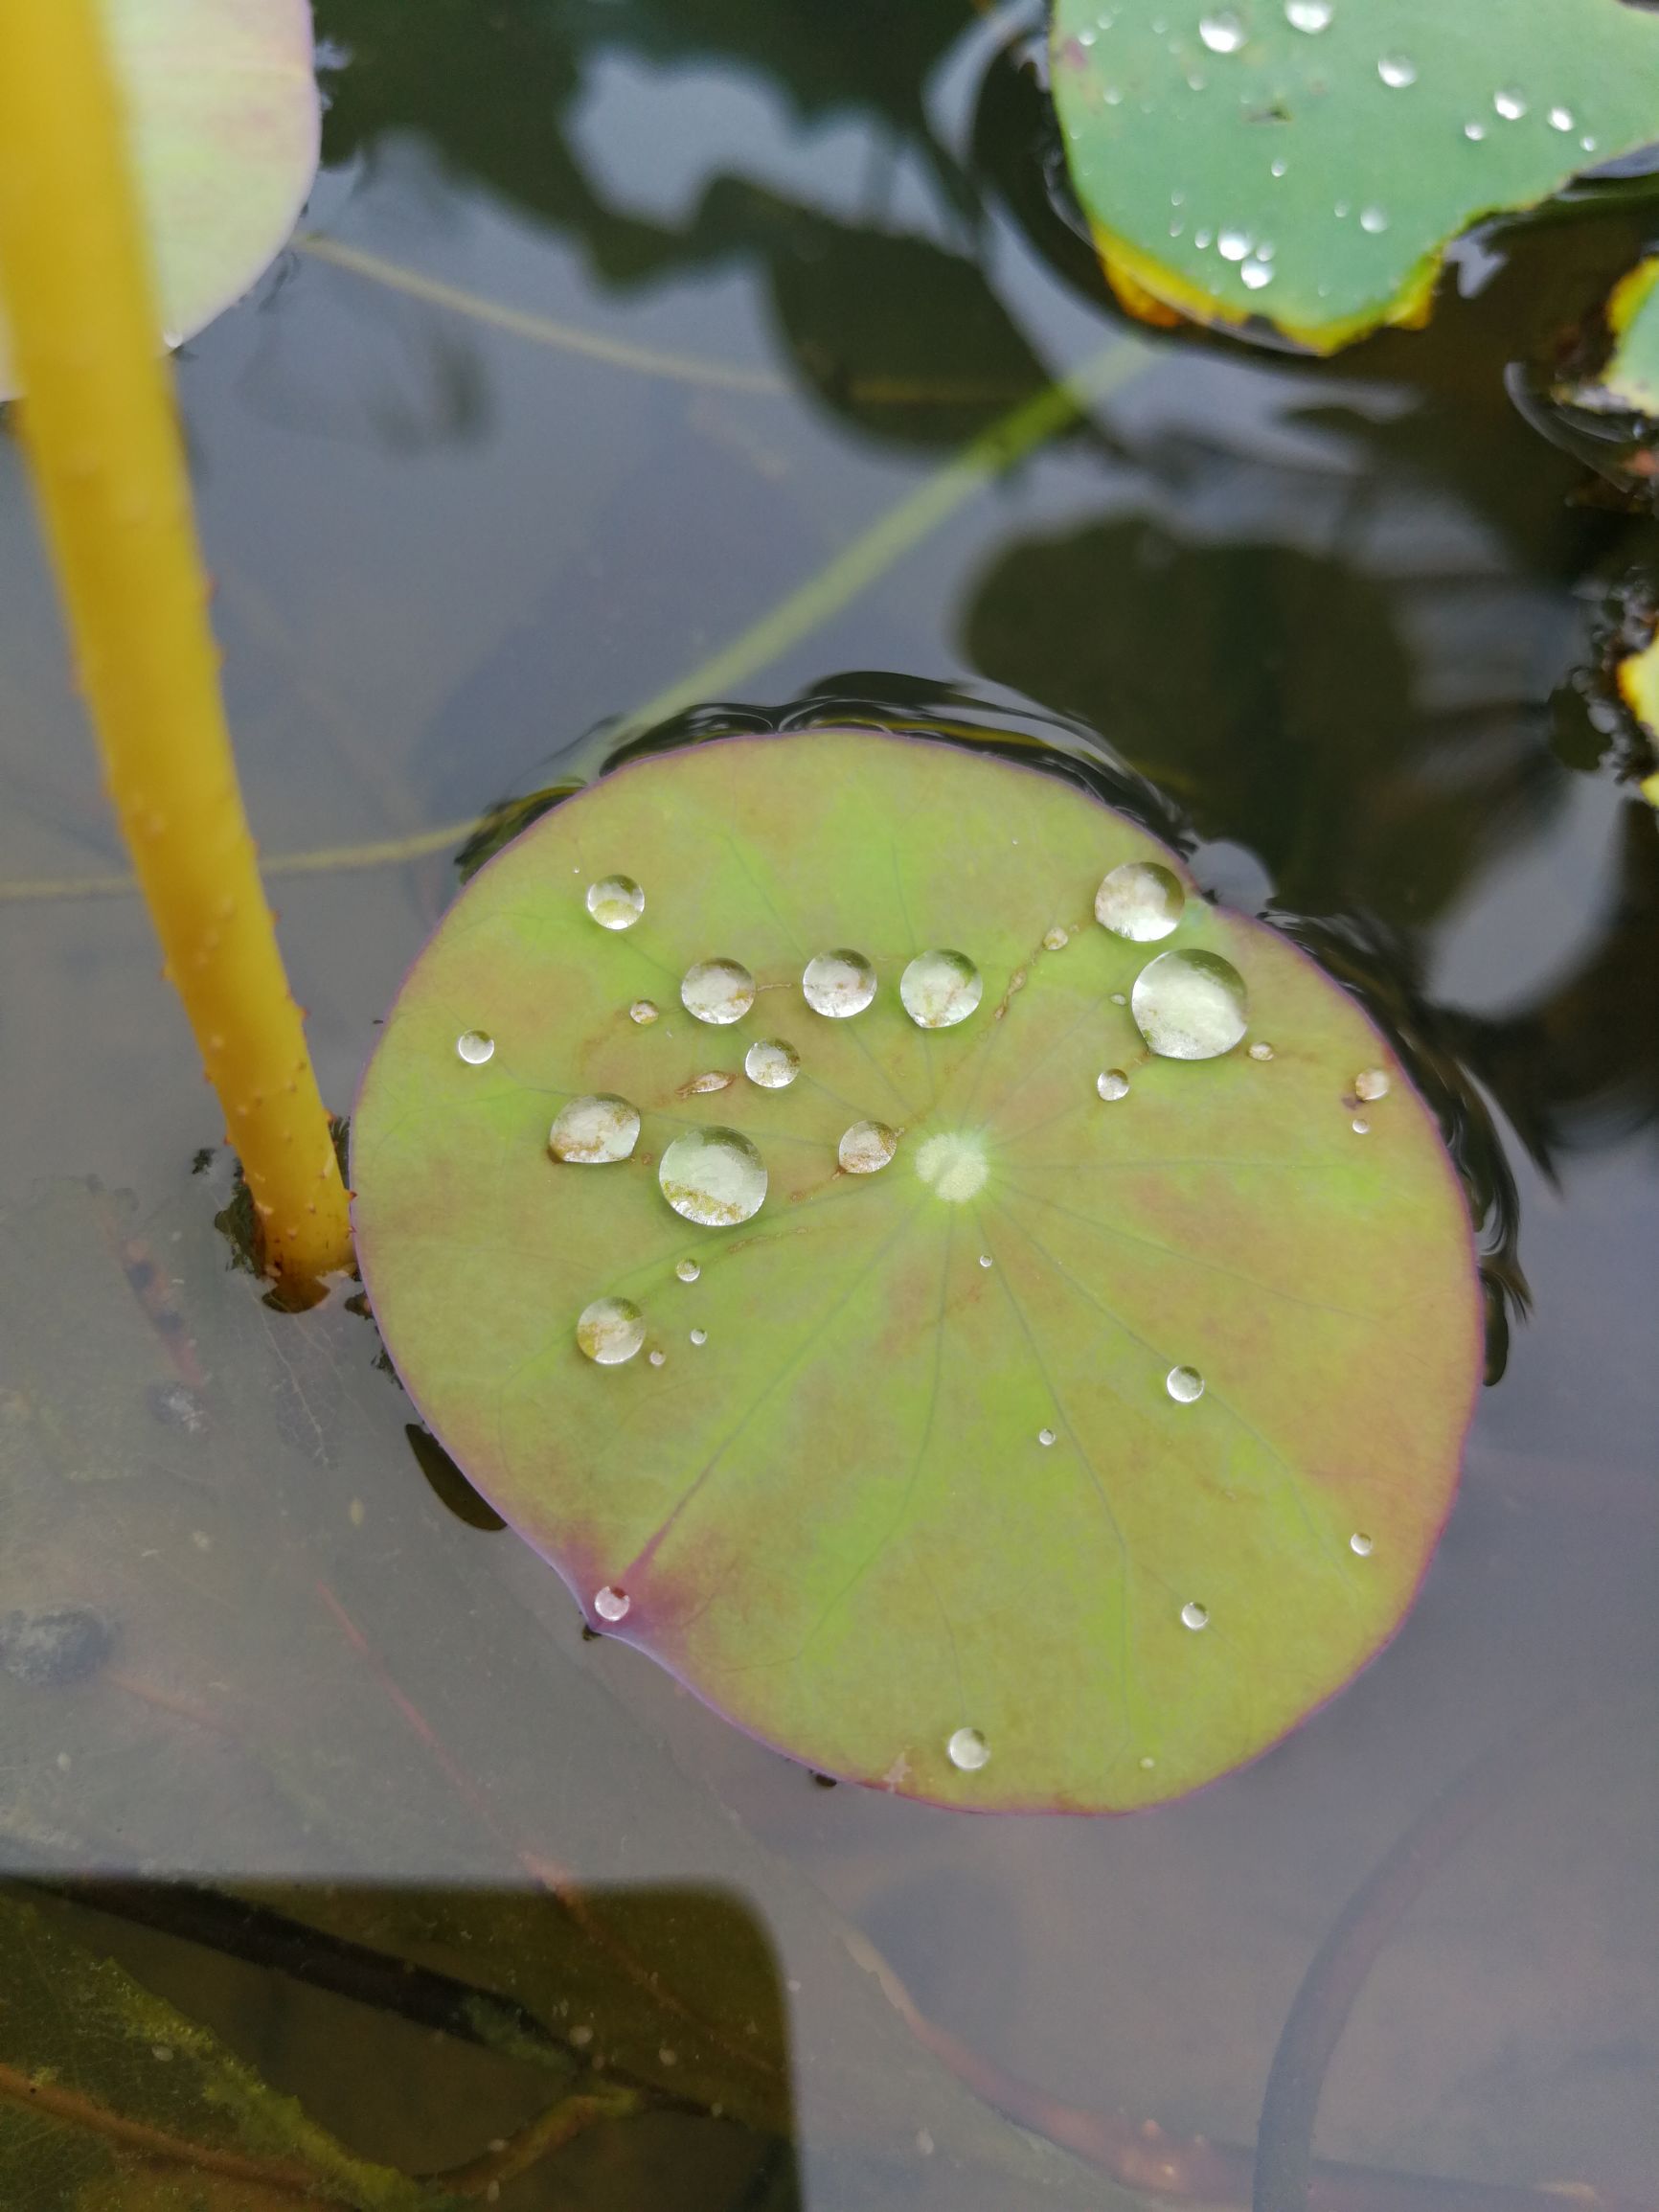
(999, 1412)
(1306, 163)
(222, 109)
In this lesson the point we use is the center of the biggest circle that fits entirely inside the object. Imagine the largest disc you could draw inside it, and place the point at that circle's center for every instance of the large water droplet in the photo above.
(1112, 1082)
(1360, 1543)
(1222, 33)
(1512, 106)
(838, 984)
(687, 1270)
(1253, 276)
(474, 1047)
(610, 1330)
(590, 1131)
(611, 1604)
(1185, 1385)
(867, 1147)
(1232, 245)
(1309, 14)
(717, 991)
(1371, 1083)
(940, 988)
(1194, 1615)
(772, 1062)
(715, 1176)
(968, 1751)
(1189, 1005)
(1396, 71)
(616, 901)
(1140, 900)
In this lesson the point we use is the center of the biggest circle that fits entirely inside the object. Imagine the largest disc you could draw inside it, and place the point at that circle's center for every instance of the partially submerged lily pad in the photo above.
(1306, 163)
(1099, 1434)
(222, 107)
(1629, 379)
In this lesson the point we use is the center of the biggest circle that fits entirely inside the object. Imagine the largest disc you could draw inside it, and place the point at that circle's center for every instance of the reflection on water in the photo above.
(1329, 621)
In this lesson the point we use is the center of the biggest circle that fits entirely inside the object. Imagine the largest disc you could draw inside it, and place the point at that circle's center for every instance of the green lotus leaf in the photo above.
(1304, 164)
(1629, 379)
(221, 104)
(1003, 1412)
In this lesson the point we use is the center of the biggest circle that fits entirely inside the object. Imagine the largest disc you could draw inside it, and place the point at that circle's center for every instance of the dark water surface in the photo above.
(780, 264)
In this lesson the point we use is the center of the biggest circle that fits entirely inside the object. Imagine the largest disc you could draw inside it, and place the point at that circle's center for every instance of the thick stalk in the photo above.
(110, 471)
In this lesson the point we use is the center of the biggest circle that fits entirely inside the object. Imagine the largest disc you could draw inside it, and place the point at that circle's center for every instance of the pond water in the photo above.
(616, 325)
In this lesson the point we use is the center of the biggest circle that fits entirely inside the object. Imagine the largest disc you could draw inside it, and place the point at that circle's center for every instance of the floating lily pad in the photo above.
(1064, 1457)
(222, 107)
(1306, 163)
(1629, 381)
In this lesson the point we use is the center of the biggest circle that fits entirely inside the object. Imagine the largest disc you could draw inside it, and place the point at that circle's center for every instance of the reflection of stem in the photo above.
(548, 2131)
(154, 2143)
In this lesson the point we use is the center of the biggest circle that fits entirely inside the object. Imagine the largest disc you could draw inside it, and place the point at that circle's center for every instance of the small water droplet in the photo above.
(714, 1177)
(1195, 81)
(1588, 143)
(1474, 130)
(657, 1357)
(1222, 33)
(474, 1047)
(1309, 15)
(1202, 239)
(1373, 219)
(699, 1335)
(1360, 1543)
(643, 1011)
(1120, 998)
(1278, 166)
(1261, 1049)
(866, 1147)
(1056, 939)
(720, 992)
(611, 1604)
(1194, 1615)
(985, 1259)
(1341, 209)
(968, 1751)
(1371, 1083)
(1232, 245)
(1360, 1127)
(1512, 106)
(591, 1131)
(1189, 1005)
(1253, 275)
(838, 985)
(687, 1270)
(1140, 900)
(940, 988)
(1396, 71)
(1561, 119)
(1185, 1385)
(1045, 1435)
(610, 1330)
(1112, 1082)
(701, 1086)
(616, 901)
(772, 1062)
(1148, 1761)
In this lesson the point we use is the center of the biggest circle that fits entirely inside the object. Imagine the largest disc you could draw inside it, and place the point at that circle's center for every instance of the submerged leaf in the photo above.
(222, 110)
(1308, 162)
(1059, 1429)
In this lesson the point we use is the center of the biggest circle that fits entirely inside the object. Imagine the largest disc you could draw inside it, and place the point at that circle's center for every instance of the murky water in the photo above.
(623, 322)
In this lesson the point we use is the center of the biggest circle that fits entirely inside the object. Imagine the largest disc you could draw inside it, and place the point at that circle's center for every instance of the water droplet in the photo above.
(985, 1259)
(715, 1176)
(610, 1330)
(700, 1085)
(611, 1604)
(1360, 1543)
(616, 901)
(1148, 1761)
(1222, 33)
(1112, 1082)
(1588, 143)
(1261, 1049)
(720, 992)
(1045, 1435)
(1474, 130)
(838, 984)
(1056, 939)
(687, 1270)
(699, 1335)
(590, 1131)
(1189, 1005)
(1561, 119)
(1194, 1615)
(656, 1359)
(1510, 106)
(1253, 275)
(968, 1751)
(1341, 208)
(953, 1165)
(1201, 238)
(1373, 219)
(940, 988)
(474, 1047)
(1140, 900)
(1185, 1385)
(772, 1062)
(643, 1011)
(1396, 71)
(1371, 1083)
(1119, 998)
(1309, 14)
(866, 1147)
(1232, 245)
(1360, 1127)
(1278, 166)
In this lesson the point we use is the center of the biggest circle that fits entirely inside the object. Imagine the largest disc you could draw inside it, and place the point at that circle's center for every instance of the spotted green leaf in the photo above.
(1065, 1460)
(222, 109)
(1304, 164)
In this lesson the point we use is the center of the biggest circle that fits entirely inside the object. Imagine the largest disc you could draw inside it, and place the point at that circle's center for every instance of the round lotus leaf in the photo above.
(1304, 164)
(1062, 1453)
(223, 116)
